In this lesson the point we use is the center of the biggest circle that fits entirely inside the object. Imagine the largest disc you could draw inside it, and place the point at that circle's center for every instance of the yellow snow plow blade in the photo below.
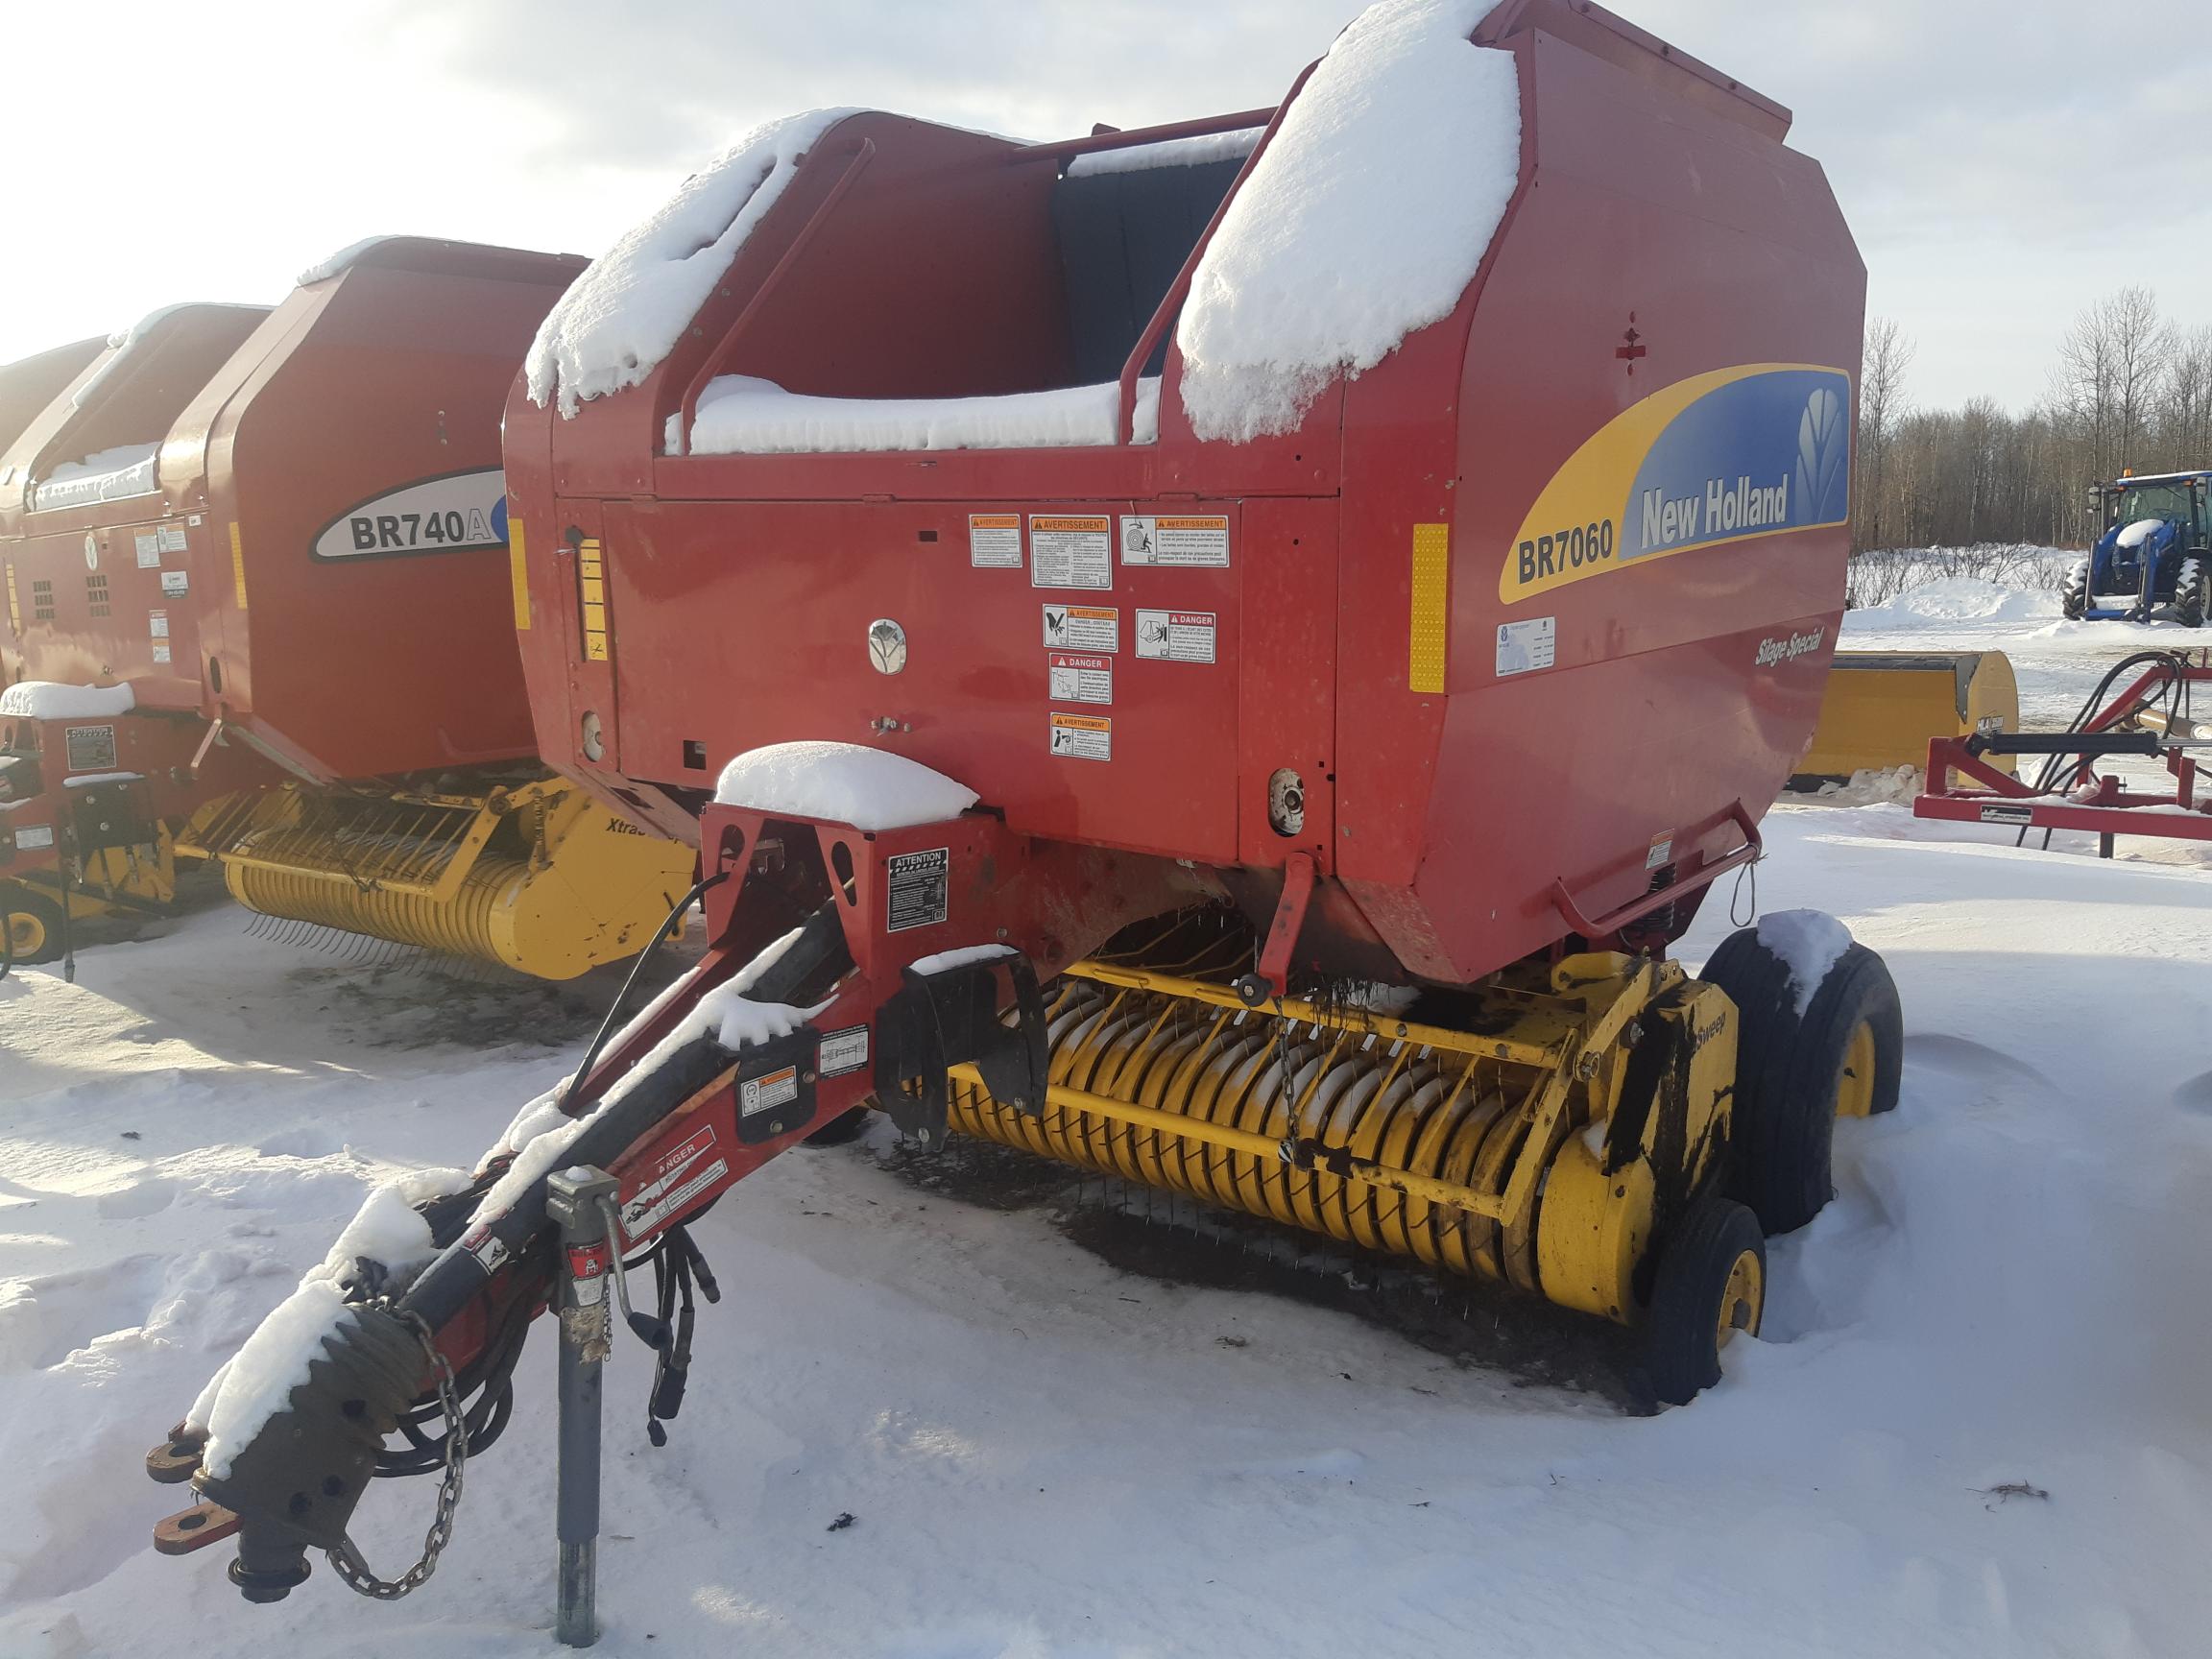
(1882, 706)
(538, 878)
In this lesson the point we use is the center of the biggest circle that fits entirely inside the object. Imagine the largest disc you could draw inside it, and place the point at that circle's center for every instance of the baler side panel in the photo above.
(1286, 711)
(1695, 676)
(775, 601)
(386, 662)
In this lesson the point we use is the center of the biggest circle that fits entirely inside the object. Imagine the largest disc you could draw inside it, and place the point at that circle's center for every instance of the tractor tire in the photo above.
(1710, 1284)
(33, 926)
(1798, 1072)
(841, 1130)
(2192, 594)
(2074, 597)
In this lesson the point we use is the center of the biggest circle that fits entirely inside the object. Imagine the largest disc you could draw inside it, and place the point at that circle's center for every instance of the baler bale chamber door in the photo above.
(532, 875)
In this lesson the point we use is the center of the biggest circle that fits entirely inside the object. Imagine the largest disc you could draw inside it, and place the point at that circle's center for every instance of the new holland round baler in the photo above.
(1224, 653)
(288, 540)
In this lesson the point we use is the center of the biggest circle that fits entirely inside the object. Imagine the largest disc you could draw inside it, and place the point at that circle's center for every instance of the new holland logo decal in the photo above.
(457, 512)
(1728, 456)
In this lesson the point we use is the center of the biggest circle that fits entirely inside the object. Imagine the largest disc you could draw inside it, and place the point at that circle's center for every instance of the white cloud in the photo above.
(2002, 164)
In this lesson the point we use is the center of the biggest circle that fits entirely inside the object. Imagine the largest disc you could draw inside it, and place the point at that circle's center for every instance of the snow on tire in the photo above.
(1798, 1060)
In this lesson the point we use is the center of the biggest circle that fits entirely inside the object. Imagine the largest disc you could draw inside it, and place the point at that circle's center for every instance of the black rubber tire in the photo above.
(2192, 596)
(1682, 1327)
(1789, 1065)
(17, 901)
(841, 1130)
(2074, 597)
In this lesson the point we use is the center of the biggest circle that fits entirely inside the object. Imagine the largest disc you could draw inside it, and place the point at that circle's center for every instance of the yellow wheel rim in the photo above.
(1744, 1298)
(25, 934)
(1854, 1088)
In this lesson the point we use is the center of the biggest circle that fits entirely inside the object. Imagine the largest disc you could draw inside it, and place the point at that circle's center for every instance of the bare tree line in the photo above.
(2131, 388)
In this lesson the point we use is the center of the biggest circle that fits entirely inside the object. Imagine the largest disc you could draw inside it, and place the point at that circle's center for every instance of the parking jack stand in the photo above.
(581, 1200)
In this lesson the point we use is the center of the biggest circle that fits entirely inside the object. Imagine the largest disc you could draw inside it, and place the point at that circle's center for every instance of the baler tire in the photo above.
(1791, 1071)
(34, 924)
(841, 1130)
(1711, 1282)
(2073, 598)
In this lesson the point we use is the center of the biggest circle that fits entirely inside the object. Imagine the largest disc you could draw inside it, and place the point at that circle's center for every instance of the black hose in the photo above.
(2060, 772)
(613, 1019)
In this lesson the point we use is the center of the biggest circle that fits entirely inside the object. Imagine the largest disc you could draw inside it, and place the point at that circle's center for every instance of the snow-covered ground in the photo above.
(1976, 1424)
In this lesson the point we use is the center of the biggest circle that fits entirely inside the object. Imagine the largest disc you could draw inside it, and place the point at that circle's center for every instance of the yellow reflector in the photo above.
(517, 570)
(1431, 598)
(238, 564)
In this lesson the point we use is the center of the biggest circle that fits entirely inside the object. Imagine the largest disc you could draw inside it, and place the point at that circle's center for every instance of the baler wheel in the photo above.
(1712, 1283)
(33, 926)
(1795, 1074)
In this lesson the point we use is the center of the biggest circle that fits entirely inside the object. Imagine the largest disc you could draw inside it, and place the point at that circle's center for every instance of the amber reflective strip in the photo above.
(1432, 597)
(518, 572)
(238, 564)
(591, 599)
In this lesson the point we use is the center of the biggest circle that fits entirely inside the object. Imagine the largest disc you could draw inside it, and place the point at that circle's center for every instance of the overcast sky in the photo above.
(2002, 164)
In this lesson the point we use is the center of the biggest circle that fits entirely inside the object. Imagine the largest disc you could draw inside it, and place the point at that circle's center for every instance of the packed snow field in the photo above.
(1976, 1424)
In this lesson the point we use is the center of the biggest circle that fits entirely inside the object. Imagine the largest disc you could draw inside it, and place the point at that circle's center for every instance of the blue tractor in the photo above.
(2153, 560)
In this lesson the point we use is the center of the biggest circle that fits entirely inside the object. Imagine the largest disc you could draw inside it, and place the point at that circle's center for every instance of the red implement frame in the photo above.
(2096, 804)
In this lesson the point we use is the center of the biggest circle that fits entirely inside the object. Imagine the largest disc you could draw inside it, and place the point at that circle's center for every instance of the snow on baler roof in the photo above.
(102, 441)
(1338, 244)
(1200, 151)
(1336, 247)
(621, 317)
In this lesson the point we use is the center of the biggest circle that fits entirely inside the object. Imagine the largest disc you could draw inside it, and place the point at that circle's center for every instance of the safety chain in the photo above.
(346, 1560)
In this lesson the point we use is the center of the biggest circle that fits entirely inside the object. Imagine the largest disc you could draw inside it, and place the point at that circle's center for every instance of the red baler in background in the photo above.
(293, 553)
